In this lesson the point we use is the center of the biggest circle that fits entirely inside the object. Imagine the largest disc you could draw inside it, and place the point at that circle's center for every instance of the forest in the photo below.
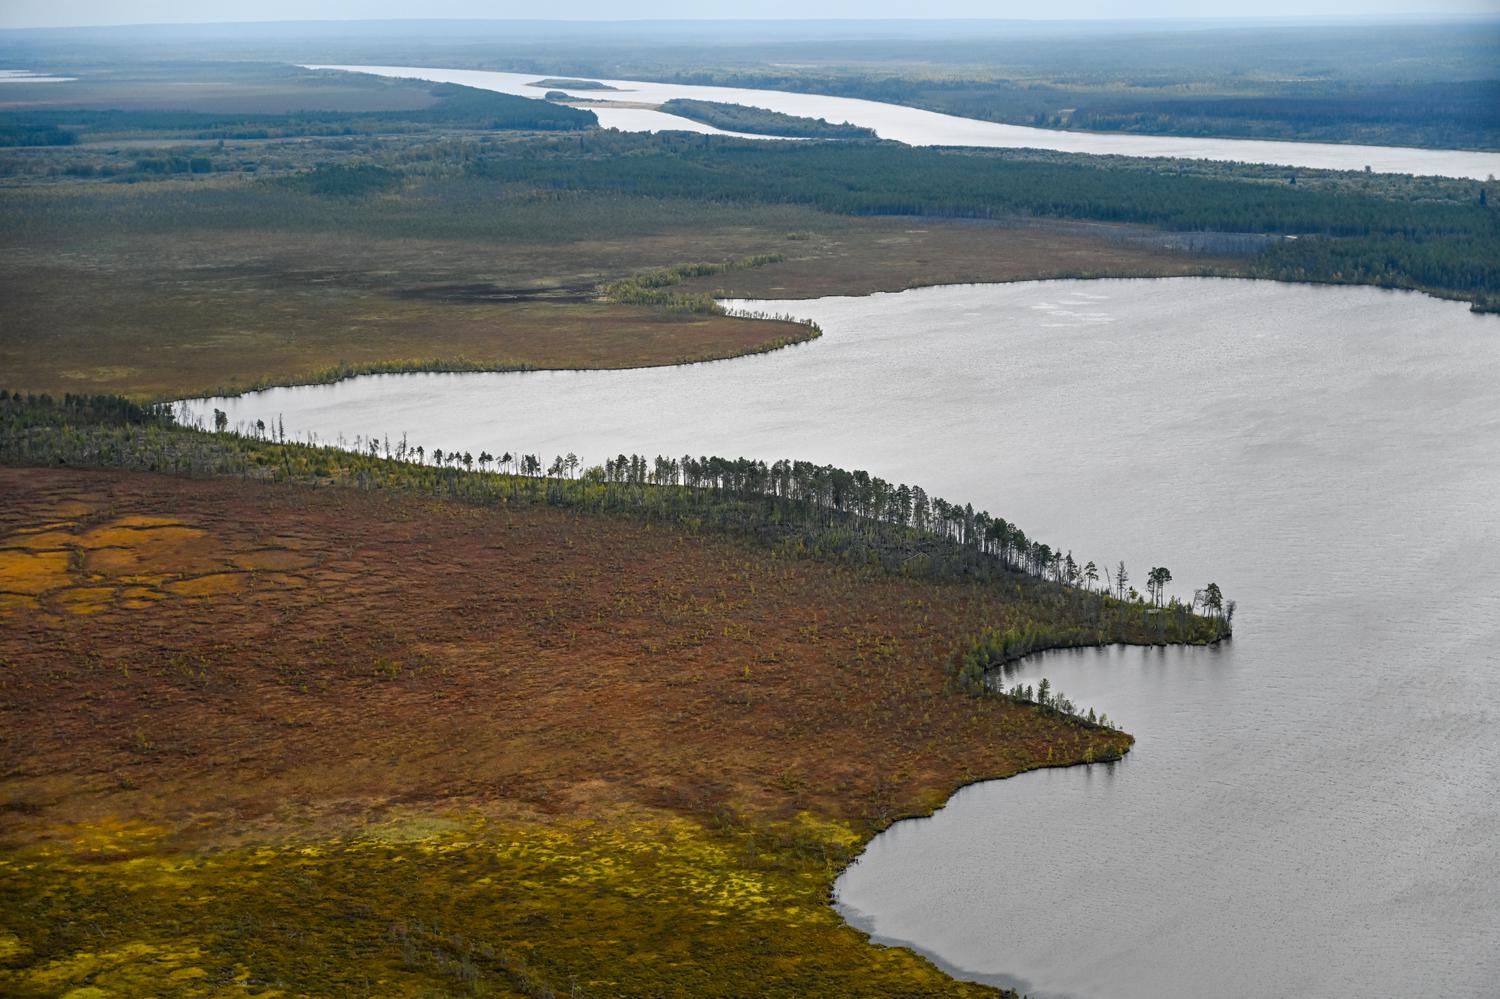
(1444, 246)
(761, 121)
(455, 107)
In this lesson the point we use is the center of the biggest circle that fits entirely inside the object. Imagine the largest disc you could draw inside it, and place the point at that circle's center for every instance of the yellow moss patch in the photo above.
(138, 553)
(46, 540)
(110, 837)
(84, 599)
(13, 602)
(32, 572)
(149, 538)
(112, 561)
(649, 905)
(11, 948)
(133, 969)
(141, 520)
(271, 559)
(208, 586)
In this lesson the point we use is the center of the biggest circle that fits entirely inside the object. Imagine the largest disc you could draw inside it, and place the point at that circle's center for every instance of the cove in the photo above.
(1310, 809)
(916, 127)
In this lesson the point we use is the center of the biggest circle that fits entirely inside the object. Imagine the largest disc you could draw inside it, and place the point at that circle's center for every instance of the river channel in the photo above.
(917, 127)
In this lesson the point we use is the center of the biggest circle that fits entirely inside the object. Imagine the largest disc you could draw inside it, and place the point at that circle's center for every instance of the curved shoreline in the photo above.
(334, 376)
(1008, 984)
(864, 922)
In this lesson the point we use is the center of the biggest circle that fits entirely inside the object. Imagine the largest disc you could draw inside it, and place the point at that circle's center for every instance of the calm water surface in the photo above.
(929, 128)
(1312, 810)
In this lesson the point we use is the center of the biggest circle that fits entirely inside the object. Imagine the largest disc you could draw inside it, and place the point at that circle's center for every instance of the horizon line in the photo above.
(1378, 18)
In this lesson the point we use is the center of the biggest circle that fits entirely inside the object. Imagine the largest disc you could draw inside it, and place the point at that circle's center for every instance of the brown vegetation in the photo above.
(892, 254)
(681, 739)
(186, 312)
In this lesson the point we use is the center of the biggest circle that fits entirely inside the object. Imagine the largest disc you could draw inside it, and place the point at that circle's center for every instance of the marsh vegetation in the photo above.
(765, 688)
(424, 718)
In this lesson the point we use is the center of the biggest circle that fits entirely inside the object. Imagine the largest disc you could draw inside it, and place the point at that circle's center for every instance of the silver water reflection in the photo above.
(1312, 810)
(930, 128)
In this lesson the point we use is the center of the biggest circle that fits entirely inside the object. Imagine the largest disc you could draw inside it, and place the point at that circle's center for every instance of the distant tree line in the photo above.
(1447, 247)
(457, 106)
(1436, 113)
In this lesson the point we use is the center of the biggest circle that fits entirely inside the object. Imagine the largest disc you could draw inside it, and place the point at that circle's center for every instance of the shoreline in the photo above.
(462, 366)
(841, 833)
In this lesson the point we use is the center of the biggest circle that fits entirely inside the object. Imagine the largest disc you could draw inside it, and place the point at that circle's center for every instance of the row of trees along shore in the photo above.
(800, 508)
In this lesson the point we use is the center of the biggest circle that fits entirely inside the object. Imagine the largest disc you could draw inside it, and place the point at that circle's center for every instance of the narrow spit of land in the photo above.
(272, 736)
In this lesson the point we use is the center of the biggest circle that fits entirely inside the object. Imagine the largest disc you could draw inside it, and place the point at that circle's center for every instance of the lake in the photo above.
(1312, 809)
(929, 128)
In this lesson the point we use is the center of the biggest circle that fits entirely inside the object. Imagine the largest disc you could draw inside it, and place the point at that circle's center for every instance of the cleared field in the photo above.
(334, 742)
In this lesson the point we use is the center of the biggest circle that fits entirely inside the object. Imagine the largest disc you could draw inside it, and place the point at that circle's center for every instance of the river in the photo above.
(1312, 809)
(916, 127)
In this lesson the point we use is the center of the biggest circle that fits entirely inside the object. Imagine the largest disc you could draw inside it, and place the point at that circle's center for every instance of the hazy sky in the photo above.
(41, 13)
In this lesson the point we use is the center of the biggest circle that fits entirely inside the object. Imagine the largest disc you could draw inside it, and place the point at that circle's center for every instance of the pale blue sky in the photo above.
(39, 13)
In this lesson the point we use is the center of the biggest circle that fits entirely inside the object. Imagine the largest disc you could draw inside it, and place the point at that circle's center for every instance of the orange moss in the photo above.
(207, 586)
(29, 572)
(271, 558)
(557, 679)
(83, 599)
(14, 602)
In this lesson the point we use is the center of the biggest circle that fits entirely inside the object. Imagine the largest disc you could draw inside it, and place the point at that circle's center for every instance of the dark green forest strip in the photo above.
(761, 121)
(1447, 247)
(456, 107)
